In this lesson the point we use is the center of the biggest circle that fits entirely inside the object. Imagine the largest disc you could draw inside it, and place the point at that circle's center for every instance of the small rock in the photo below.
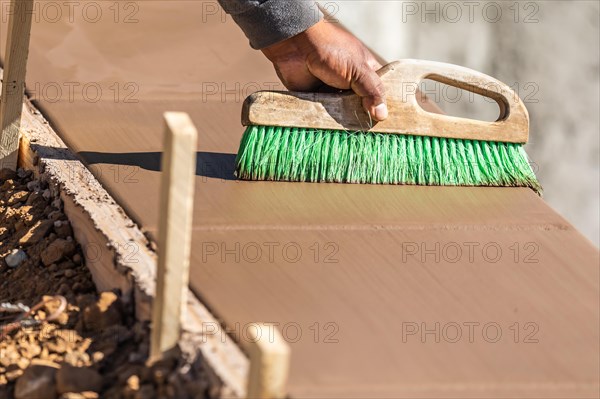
(7, 174)
(44, 354)
(59, 346)
(135, 357)
(45, 363)
(78, 287)
(77, 379)
(6, 360)
(7, 185)
(46, 194)
(79, 395)
(69, 273)
(36, 233)
(57, 250)
(160, 374)
(15, 257)
(133, 382)
(144, 349)
(20, 225)
(72, 395)
(23, 173)
(22, 363)
(63, 229)
(57, 203)
(19, 196)
(77, 259)
(56, 215)
(27, 214)
(35, 199)
(13, 374)
(97, 357)
(33, 185)
(78, 359)
(104, 313)
(30, 350)
(62, 319)
(67, 264)
(85, 344)
(51, 305)
(146, 392)
(37, 381)
(108, 346)
(133, 386)
(63, 289)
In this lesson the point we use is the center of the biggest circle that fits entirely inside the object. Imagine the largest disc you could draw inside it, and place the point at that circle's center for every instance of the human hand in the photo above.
(327, 54)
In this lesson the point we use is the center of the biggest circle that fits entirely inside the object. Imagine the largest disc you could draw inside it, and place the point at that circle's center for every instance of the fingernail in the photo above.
(381, 112)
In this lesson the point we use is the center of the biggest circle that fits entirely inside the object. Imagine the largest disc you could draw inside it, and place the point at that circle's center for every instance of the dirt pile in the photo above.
(92, 347)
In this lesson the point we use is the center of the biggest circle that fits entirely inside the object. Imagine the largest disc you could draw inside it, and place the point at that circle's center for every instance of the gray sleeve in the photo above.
(266, 22)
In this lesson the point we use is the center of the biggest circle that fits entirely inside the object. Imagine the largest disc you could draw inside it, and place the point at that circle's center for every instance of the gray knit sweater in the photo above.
(267, 22)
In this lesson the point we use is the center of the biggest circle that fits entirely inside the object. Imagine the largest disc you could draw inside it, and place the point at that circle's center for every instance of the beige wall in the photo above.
(549, 51)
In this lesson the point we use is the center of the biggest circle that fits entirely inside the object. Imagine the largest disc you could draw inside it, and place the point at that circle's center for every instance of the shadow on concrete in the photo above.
(215, 165)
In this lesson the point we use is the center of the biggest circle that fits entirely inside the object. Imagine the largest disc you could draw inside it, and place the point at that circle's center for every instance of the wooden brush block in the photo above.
(344, 111)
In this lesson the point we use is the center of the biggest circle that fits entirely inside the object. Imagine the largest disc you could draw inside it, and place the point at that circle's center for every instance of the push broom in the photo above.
(328, 137)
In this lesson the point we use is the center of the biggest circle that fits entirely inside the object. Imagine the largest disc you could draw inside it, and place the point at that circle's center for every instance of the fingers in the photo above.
(328, 54)
(369, 86)
(297, 77)
(373, 62)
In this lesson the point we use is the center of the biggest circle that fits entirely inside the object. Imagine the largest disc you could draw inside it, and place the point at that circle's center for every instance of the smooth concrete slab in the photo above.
(374, 261)
(458, 312)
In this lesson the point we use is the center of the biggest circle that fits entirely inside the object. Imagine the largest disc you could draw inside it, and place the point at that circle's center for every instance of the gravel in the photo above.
(95, 348)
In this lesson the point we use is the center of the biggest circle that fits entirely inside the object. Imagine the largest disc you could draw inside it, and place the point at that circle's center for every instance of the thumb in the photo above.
(369, 86)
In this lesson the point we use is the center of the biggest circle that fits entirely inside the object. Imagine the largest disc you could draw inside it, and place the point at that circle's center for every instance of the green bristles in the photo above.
(312, 155)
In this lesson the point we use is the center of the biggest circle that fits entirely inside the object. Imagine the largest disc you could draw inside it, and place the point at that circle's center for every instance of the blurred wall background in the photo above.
(547, 51)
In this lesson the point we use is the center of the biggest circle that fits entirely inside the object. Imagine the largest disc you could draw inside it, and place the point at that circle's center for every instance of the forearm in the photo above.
(266, 22)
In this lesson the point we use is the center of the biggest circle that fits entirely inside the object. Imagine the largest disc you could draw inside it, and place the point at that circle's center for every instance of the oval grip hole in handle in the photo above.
(460, 103)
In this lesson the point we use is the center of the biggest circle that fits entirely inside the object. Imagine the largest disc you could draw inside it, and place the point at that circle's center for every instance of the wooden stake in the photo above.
(175, 231)
(269, 362)
(13, 85)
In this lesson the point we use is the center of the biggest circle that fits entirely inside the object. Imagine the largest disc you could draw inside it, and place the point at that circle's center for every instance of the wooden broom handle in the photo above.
(401, 79)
